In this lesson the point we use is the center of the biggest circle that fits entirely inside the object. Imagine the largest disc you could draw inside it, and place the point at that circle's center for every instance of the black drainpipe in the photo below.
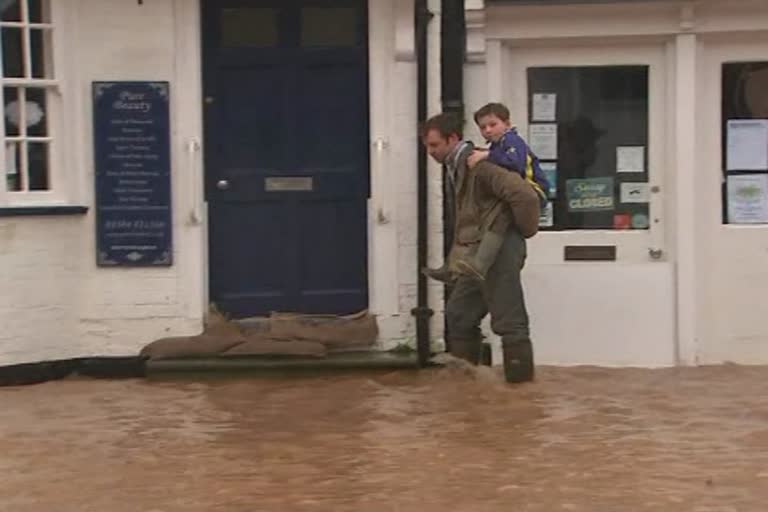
(422, 312)
(452, 55)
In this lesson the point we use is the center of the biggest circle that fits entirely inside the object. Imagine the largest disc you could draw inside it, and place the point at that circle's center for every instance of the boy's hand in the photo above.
(476, 156)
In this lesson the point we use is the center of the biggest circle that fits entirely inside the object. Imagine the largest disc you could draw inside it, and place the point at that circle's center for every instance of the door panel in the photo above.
(287, 155)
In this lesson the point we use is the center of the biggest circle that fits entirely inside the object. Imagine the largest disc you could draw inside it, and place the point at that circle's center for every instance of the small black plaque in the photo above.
(590, 253)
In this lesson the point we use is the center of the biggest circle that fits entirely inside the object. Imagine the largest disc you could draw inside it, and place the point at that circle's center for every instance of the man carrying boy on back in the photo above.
(510, 151)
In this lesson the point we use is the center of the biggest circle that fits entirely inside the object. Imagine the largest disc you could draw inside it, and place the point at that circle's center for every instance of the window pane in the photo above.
(11, 111)
(744, 135)
(38, 166)
(40, 41)
(37, 11)
(13, 166)
(599, 142)
(37, 113)
(329, 26)
(249, 27)
(13, 61)
(11, 10)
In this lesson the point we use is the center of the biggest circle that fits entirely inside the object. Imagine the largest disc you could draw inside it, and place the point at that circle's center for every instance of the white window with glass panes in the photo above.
(29, 96)
(595, 117)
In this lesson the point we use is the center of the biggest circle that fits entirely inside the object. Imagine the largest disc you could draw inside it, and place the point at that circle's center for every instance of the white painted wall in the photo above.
(703, 304)
(732, 269)
(56, 303)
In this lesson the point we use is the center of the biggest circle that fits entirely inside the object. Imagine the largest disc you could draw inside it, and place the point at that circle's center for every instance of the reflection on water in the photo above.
(455, 439)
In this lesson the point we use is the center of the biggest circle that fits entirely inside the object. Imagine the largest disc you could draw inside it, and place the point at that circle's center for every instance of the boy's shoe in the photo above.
(442, 274)
(466, 267)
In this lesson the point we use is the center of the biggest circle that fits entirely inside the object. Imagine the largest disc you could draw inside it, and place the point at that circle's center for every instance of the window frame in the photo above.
(56, 193)
(508, 61)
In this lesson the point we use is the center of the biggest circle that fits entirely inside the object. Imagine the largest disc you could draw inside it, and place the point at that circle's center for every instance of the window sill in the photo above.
(41, 211)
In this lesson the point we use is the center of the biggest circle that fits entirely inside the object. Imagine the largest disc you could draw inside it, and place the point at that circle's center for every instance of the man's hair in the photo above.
(493, 109)
(445, 124)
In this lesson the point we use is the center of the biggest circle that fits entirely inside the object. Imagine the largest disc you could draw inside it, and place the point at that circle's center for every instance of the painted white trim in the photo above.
(435, 299)
(474, 12)
(404, 26)
(383, 249)
(188, 169)
(685, 203)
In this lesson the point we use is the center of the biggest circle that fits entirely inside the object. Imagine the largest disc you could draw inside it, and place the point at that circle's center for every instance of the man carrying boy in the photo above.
(510, 151)
(479, 199)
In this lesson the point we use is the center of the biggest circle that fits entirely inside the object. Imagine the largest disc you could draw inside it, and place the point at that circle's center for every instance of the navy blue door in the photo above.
(286, 120)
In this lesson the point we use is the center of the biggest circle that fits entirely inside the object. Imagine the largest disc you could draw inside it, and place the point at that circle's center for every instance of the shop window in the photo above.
(27, 84)
(589, 128)
(325, 26)
(249, 27)
(745, 142)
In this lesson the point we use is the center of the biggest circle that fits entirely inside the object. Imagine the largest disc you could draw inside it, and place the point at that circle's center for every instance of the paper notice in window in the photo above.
(544, 106)
(542, 139)
(747, 145)
(546, 217)
(748, 199)
(630, 159)
(10, 159)
(635, 193)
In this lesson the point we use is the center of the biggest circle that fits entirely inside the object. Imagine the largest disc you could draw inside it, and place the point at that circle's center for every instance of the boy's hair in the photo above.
(445, 124)
(493, 109)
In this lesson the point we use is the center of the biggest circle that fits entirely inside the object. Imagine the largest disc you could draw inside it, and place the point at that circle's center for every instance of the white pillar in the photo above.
(685, 196)
(383, 251)
(434, 170)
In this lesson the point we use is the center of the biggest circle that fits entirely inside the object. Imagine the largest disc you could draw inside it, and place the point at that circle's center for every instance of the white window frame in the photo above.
(510, 64)
(56, 193)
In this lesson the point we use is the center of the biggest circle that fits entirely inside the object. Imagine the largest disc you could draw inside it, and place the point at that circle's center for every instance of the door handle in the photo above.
(222, 184)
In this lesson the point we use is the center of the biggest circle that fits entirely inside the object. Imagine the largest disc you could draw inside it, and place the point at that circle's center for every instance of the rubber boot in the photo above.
(478, 264)
(518, 360)
(466, 349)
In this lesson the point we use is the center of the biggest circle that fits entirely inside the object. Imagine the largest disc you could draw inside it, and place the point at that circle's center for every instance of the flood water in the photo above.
(582, 439)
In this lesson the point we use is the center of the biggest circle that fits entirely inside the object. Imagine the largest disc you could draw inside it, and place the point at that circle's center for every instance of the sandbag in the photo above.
(190, 346)
(357, 330)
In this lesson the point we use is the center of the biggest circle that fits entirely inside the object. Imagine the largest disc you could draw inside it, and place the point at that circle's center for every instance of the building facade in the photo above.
(290, 131)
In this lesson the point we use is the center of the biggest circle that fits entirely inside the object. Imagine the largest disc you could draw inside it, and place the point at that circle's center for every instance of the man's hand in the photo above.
(478, 155)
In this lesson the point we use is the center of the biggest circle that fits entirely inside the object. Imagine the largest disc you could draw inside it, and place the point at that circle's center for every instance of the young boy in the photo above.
(507, 149)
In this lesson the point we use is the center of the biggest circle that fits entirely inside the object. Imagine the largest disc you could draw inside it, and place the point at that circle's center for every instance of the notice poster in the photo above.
(747, 145)
(590, 195)
(546, 218)
(544, 107)
(10, 159)
(630, 159)
(748, 199)
(635, 193)
(542, 139)
(550, 172)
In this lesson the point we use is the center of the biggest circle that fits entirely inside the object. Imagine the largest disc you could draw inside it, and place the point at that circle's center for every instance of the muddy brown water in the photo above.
(581, 439)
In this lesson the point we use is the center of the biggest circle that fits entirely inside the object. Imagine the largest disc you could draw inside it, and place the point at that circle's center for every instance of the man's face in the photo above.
(492, 128)
(438, 146)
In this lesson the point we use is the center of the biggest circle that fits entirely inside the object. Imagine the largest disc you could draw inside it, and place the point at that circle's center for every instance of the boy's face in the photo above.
(492, 128)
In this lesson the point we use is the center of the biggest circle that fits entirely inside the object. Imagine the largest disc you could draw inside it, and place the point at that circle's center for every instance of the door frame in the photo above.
(382, 235)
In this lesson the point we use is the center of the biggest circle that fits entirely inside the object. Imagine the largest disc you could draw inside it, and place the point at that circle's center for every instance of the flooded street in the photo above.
(582, 439)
